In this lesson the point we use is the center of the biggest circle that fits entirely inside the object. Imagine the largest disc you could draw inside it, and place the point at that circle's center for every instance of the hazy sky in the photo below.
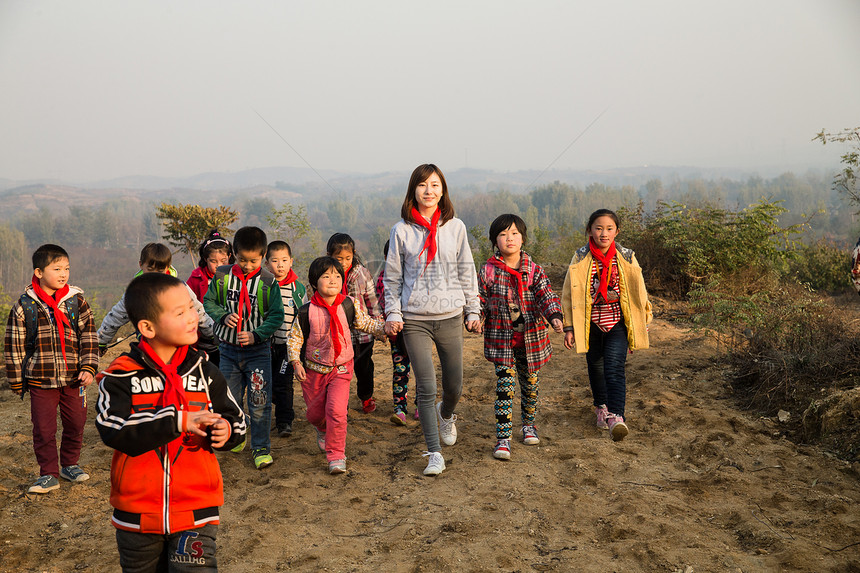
(92, 90)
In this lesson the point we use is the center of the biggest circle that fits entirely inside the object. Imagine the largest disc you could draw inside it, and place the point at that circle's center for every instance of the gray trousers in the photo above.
(419, 337)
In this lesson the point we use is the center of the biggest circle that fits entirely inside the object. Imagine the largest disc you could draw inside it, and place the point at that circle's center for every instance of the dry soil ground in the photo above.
(697, 486)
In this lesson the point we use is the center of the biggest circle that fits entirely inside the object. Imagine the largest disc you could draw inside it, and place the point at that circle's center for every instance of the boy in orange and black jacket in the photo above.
(164, 408)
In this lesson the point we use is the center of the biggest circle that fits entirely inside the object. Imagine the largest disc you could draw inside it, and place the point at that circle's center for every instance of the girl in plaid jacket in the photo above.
(360, 286)
(515, 298)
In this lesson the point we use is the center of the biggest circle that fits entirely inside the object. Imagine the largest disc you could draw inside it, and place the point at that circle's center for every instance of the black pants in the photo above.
(190, 550)
(364, 370)
(282, 386)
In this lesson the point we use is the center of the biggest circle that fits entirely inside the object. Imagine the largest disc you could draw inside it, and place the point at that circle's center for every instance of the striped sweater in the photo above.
(222, 299)
(293, 297)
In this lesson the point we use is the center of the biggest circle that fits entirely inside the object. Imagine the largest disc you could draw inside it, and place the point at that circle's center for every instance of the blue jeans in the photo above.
(606, 358)
(248, 370)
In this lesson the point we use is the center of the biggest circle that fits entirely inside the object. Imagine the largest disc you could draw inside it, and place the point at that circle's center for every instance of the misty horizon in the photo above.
(94, 91)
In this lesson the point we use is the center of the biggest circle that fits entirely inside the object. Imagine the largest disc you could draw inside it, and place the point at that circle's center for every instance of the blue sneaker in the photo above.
(44, 484)
(74, 473)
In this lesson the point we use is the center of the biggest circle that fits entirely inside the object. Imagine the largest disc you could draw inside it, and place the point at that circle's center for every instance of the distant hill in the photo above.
(281, 184)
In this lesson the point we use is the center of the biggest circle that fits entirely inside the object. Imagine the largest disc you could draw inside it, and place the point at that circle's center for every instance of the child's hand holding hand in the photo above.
(474, 326)
(556, 324)
(219, 433)
(392, 328)
(299, 371)
(86, 378)
(197, 422)
(244, 338)
(568, 340)
(231, 320)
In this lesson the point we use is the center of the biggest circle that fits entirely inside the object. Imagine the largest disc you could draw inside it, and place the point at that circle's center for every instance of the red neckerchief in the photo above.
(244, 298)
(206, 273)
(345, 290)
(430, 243)
(518, 275)
(60, 317)
(606, 262)
(289, 279)
(335, 329)
(174, 390)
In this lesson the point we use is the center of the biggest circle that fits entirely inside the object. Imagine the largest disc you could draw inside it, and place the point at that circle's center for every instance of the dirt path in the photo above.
(697, 484)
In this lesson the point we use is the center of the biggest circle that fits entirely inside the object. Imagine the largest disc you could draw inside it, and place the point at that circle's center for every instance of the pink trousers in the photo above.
(327, 398)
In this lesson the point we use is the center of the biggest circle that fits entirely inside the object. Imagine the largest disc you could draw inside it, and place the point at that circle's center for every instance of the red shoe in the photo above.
(602, 412)
(369, 405)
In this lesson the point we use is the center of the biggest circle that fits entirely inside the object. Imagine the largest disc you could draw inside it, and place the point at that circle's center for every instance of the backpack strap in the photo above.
(31, 327)
(267, 281)
(349, 310)
(305, 324)
(220, 277)
(489, 274)
(73, 306)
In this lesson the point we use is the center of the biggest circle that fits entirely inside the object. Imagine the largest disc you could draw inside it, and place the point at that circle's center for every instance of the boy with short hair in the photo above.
(163, 407)
(279, 260)
(51, 350)
(154, 258)
(245, 302)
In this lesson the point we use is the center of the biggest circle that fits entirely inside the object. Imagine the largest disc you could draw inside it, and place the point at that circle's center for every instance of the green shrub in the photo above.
(681, 246)
(785, 342)
(823, 266)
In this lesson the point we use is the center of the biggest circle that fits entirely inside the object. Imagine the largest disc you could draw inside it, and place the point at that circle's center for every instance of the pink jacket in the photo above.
(198, 282)
(319, 346)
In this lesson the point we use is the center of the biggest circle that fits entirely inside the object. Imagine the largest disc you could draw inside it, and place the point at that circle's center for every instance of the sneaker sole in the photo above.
(79, 479)
(43, 489)
(502, 455)
(395, 419)
(337, 471)
(531, 441)
(619, 432)
(434, 472)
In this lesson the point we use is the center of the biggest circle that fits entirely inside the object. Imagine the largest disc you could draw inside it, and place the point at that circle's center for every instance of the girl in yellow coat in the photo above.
(606, 310)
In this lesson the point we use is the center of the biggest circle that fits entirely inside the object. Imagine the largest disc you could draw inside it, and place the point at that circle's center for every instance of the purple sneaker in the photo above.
(602, 413)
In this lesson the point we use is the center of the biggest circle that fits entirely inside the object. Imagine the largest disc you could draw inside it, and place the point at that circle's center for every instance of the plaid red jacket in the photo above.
(46, 369)
(497, 289)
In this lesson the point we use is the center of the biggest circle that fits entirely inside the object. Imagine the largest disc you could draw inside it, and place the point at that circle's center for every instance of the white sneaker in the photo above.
(435, 465)
(447, 429)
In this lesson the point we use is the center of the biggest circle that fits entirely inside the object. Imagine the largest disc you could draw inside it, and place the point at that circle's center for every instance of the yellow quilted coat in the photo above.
(576, 298)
